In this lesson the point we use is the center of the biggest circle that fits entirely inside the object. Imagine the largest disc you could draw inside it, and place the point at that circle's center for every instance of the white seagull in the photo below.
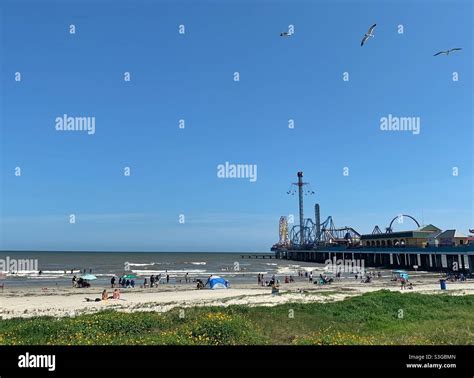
(447, 51)
(369, 34)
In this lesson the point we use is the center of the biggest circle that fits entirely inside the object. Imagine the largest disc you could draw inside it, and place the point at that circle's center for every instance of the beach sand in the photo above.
(63, 301)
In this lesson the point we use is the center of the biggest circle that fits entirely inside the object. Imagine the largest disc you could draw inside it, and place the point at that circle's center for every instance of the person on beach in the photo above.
(275, 290)
(292, 279)
(152, 280)
(116, 294)
(145, 283)
(186, 277)
(272, 281)
(311, 276)
(402, 283)
(167, 278)
(103, 298)
(112, 282)
(74, 281)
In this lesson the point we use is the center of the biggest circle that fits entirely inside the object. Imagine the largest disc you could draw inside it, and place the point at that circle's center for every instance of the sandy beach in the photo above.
(60, 301)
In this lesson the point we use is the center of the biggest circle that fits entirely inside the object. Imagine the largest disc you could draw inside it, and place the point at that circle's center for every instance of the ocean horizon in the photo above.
(56, 268)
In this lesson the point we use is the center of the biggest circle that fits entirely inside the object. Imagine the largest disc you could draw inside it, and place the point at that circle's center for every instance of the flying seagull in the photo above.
(369, 34)
(447, 51)
(285, 34)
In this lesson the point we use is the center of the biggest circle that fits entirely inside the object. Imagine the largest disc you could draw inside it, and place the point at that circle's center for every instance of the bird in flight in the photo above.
(447, 51)
(369, 34)
(285, 34)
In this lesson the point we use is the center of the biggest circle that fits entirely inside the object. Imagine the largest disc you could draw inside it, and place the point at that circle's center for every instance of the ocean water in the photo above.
(56, 267)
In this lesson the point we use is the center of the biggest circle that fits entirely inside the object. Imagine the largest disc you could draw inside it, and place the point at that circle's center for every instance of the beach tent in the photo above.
(217, 282)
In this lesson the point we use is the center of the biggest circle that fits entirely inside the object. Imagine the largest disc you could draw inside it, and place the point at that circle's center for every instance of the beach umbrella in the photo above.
(130, 276)
(89, 277)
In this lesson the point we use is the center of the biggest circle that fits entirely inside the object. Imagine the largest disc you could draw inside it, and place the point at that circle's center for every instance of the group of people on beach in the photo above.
(367, 278)
(273, 281)
(122, 282)
(455, 276)
(323, 279)
(79, 282)
(105, 296)
(152, 281)
(289, 279)
(304, 273)
(155, 280)
(309, 276)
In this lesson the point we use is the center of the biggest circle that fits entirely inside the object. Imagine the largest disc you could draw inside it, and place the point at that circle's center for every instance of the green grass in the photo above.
(375, 318)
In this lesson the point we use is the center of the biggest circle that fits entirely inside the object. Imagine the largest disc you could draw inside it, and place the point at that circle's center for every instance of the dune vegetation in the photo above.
(378, 318)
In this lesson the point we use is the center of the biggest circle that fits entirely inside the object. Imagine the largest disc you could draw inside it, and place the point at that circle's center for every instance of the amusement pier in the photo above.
(422, 248)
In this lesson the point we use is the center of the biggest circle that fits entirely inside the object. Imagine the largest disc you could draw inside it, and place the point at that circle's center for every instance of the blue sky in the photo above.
(190, 77)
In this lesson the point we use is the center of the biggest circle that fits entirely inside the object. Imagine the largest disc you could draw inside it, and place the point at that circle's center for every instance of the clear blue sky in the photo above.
(191, 76)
